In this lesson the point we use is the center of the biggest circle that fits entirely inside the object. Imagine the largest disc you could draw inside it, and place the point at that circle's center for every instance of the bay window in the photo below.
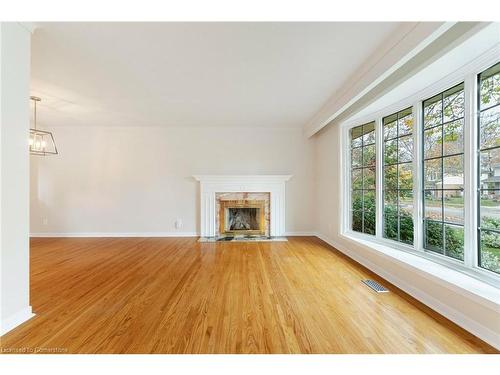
(437, 160)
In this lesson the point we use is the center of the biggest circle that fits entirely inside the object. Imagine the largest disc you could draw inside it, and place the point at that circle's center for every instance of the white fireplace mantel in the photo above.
(211, 184)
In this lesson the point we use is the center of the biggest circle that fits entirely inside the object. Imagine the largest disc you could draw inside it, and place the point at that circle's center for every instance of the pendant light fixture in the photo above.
(41, 142)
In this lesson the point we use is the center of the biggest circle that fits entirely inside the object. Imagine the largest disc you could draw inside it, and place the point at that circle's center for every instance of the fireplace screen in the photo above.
(242, 217)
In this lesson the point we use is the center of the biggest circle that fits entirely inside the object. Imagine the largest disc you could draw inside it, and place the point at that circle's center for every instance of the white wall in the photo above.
(469, 311)
(138, 179)
(14, 169)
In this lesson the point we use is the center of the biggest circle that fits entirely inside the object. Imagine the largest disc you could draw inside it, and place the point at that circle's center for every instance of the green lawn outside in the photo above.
(458, 202)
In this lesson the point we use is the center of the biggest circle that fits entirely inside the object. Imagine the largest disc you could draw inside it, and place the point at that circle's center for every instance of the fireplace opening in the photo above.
(242, 217)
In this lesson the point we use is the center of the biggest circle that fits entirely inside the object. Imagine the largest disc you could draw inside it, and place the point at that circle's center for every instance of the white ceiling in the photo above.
(195, 74)
(466, 52)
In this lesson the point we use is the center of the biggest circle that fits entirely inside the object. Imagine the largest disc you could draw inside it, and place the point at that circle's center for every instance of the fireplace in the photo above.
(250, 203)
(242, 217)
(242, 214)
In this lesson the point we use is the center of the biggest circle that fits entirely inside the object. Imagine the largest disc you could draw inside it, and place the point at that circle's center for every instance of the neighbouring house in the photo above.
(490, 179)
(452, 187)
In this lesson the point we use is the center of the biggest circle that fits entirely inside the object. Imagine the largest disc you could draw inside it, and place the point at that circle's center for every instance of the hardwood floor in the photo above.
(175, 295)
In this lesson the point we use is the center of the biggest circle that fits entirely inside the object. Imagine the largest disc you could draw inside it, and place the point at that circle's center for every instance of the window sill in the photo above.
(466, 285)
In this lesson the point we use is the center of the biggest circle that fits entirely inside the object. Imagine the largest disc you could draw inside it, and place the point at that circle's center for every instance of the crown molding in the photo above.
(29, 26)
(415, 46)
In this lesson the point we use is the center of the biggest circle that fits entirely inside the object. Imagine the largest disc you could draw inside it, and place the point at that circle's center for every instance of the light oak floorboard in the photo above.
(175, 295)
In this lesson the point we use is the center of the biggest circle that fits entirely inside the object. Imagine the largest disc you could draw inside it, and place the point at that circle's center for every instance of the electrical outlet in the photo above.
(45, 221)
(178, 224)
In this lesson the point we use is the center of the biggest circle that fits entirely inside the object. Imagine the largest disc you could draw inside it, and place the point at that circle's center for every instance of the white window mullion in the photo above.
(417, 178)
(379, 139)
(470, 172)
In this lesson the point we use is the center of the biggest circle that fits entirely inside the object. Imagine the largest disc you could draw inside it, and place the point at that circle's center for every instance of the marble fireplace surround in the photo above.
(259, 198)
(212, 186)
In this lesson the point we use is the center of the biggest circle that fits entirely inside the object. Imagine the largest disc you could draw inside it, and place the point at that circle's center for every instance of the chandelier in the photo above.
(41, 142)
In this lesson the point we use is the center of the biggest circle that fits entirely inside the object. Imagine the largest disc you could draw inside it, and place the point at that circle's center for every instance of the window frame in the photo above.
(468, 74)
(477, 176)
(397, 138)
(441, 158)
(362, 168)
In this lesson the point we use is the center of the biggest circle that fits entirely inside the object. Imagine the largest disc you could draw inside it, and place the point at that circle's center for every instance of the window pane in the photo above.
(369, 155)
(356, 179)
(433, 236)
(453, 137)
(357, 221)
(453, 172)
(406, 216)
(356, 136)
(433, 142)
(391, 152)
(369, 222)
(368, 178)
(363, 178)
(433, 111)
(453, 206)
(405, 176)
(356, 155)
(369, 133)
(398, 204)
(490, 251)
(490, 169)
(391, 201)
(490, 209)
(433, 205)
(405, 196)
(453, 103)
(406, 228)
(432, 173)
(489, 129)
(357, 200)
(390, 128)
(405, 149)
(391, 177)
(444, 175)
(454, 241)
(390, 224)
(489, 87)
(369, 200)
(405, 122)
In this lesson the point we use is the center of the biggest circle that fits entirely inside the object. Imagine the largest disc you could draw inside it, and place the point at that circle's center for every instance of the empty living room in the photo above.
(217, 184)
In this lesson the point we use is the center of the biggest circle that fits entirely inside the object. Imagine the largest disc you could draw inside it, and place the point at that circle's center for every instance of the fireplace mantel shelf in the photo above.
(212, 184)
(242, 178)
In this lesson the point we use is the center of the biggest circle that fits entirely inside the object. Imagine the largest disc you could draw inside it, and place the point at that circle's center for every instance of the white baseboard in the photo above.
(114, 234)
(143, 234)
(466, 322)
(291, 234)
(16, 319)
